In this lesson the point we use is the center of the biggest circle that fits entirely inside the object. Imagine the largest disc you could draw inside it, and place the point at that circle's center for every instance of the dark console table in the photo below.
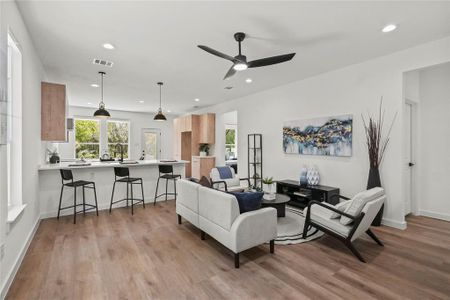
(301, 195)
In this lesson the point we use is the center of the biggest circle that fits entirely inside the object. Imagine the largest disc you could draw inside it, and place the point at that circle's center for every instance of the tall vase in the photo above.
(375, 181)
(303, 176)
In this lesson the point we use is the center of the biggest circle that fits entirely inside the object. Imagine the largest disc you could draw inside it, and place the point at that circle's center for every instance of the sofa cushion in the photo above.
(359, 201)
(218, 207)
(248, 201)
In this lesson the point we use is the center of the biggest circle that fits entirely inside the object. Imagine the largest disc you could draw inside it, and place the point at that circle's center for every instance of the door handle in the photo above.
(411, 164)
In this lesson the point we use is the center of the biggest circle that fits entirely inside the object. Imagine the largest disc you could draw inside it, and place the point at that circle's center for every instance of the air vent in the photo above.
(102, 62)
(228, 87)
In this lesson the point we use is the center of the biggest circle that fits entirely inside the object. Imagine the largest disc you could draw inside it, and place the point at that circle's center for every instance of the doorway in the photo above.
(409, 152)
(151, 143)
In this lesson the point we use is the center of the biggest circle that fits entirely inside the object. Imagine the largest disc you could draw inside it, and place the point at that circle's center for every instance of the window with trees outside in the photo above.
(118, 134)
(87, 138)
(230, 143)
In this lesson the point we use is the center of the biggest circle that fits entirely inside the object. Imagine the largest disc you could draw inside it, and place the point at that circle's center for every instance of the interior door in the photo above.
(151, 143)
(408, 160)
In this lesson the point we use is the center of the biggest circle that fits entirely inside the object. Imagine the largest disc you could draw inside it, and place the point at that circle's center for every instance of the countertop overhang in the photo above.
(97, 164)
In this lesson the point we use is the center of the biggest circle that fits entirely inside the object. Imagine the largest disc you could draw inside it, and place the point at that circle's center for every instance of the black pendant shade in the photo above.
(160, 116)
(101, 112)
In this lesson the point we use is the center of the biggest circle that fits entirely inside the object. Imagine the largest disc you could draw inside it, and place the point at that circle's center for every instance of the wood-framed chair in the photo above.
(320, 216)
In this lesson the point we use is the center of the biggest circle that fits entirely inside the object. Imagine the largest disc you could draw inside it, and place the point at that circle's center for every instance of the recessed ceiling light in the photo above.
(108, 46)
(169, 111)
(94, 85)
(141, 101)
(248, 80)
(389, 28)
(89, 103)
(196, 99)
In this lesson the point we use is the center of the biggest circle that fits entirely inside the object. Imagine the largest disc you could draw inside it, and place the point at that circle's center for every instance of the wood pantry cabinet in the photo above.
(53, 112)
(189, 132)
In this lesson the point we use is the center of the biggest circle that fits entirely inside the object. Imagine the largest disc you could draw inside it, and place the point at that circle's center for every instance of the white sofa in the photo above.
(217, 214)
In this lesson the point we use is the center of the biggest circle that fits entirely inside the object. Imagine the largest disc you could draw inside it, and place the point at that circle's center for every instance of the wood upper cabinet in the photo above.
(53, 112)
(207, 129)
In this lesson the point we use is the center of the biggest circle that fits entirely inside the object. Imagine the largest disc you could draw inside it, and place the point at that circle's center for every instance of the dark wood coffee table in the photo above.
(279, 203)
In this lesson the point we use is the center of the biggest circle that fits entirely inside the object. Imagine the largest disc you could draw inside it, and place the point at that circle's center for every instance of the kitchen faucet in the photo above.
(121, 151)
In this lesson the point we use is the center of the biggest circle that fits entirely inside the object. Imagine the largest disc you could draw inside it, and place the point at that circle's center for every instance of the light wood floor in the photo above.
(149, 256)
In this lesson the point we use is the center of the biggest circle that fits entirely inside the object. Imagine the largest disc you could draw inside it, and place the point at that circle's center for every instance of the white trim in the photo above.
(12, 273)
(396, 224)
(435, 215)
(14, 212)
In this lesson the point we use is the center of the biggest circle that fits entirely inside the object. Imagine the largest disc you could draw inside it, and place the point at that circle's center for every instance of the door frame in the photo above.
(158, 141)
(414, 187)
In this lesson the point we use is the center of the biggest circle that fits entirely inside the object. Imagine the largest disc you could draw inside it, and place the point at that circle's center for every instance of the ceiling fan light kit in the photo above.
(101, 112)
(240, 61)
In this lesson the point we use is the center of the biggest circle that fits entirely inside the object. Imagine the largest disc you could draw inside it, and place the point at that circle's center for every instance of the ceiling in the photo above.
(156, 41)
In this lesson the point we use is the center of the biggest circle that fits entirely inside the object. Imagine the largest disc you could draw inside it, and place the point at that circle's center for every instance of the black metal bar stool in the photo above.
(166, 172)
(66, 175)
(122, 174)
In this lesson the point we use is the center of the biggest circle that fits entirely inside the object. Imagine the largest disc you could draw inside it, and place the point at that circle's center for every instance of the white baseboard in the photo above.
(12, 273)
(435, 215)
(395, 224)
(53, 214)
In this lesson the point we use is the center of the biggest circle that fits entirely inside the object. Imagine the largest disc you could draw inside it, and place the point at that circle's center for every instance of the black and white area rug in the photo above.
(290, 228)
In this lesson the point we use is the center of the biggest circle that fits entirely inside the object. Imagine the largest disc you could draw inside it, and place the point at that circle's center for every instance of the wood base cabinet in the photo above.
(202, 165)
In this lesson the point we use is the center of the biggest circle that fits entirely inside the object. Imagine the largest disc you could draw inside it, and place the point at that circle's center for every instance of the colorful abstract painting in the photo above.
(331, 136)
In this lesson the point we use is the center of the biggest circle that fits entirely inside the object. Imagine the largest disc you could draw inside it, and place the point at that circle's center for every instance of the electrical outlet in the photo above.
(2, 251)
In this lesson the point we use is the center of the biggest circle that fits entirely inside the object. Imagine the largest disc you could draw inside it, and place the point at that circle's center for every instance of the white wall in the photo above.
(353, 90)
(16, 235)
(434, 142)
(138, 121)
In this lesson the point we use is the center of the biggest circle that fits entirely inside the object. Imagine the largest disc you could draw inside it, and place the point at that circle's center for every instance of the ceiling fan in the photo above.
(240, 61)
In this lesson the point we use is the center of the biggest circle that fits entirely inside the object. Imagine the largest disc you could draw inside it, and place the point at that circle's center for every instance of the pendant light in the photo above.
(101, 112)
(159, 116)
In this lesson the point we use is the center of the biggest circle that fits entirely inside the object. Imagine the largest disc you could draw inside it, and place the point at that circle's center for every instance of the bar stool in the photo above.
(167, 174)
(122, 174)
(66, 175)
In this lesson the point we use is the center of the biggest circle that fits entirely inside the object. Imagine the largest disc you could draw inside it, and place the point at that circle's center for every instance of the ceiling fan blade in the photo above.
(270, 60)
(217, 53)
(230, 73)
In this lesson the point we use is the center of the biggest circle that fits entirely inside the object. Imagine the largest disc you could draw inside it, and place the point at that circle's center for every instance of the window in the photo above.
(87, 138)
(230, 143)
(118, 134)
(14, 129)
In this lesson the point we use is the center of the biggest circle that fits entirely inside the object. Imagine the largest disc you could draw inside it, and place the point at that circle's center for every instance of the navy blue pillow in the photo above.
(248, 201)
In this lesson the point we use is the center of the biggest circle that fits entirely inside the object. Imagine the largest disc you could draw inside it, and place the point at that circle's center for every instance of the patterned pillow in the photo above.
(359, 201)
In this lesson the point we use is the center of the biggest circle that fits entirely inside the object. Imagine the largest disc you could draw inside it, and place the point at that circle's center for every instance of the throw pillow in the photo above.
(359, 201)
(342, 206)
(204, 181)
(248, 201)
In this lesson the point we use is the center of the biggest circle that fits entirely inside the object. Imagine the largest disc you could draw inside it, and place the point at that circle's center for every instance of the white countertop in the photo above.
(97, 164)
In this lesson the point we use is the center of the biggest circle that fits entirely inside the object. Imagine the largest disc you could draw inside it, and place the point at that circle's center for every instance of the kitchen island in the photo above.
(102, 173)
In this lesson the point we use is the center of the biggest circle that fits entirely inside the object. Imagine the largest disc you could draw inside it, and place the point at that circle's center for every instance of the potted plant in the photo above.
(53, 156)
(268, 185)
(204, 149)
(376, 147)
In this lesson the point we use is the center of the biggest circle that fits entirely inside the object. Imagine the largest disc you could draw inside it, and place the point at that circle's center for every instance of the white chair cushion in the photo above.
(322, 215)
(359, 201)
(342, 206)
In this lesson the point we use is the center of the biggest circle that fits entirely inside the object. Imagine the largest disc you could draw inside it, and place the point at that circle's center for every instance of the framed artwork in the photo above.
(330, 136)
